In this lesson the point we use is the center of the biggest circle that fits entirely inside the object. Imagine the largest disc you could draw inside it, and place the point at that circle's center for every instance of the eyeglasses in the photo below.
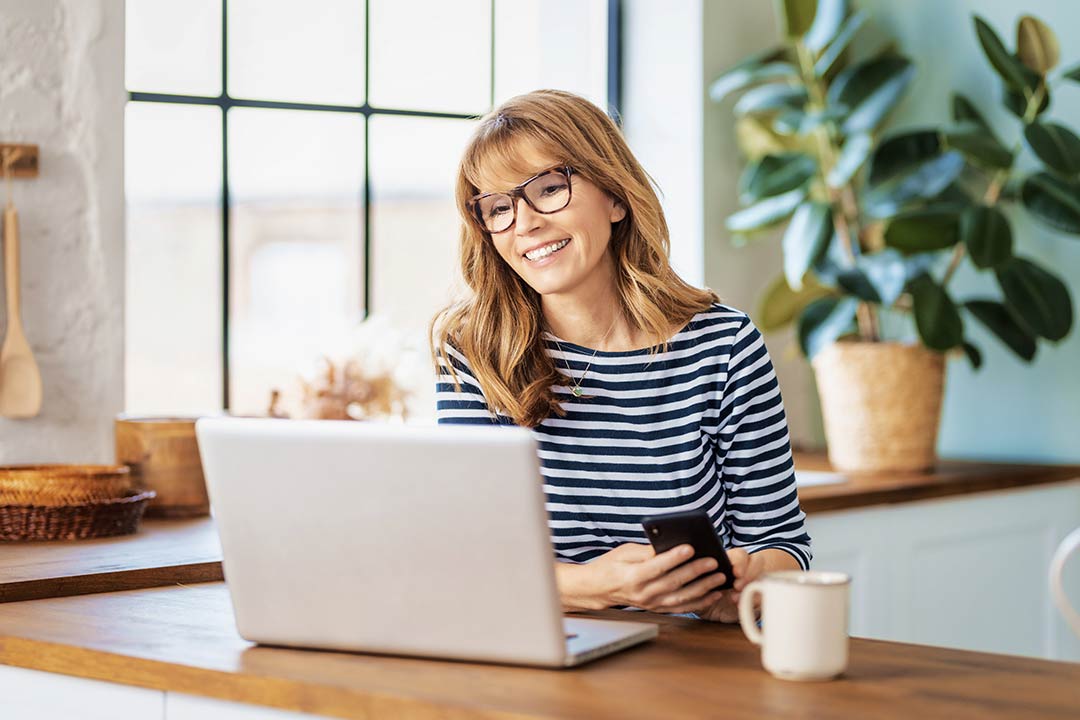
(546, 192)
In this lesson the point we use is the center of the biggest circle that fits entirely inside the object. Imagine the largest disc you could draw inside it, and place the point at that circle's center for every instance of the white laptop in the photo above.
(420, 540)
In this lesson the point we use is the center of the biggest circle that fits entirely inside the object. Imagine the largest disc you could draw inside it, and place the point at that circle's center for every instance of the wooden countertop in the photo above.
(162, 552)
(183, 639)
(165, 552)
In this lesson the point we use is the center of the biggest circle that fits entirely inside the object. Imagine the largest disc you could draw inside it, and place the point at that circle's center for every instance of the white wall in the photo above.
(62, 87)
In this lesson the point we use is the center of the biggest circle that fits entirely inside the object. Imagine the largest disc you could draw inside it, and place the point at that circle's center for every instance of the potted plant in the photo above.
(876, 225)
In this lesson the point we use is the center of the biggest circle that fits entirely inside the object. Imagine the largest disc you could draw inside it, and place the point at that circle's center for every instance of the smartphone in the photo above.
(692, 527)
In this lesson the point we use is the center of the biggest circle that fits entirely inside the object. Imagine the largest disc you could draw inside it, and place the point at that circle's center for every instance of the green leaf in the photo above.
(870, 90)
(925, 180)
(741, 76)
(766, 212)
(903, 152)
(936, 317)
(965, 112)
(973, 354)
(806, 240)
(1016, 102)
(774, 175)
(888, 271)
(1056, 145)
(1054, 201)
(803, 122)
(823, 321)
(780, 304)
(980, 146)
(1036, 45)
(827, 21)
(923, 230)
(1072, 74)
(1041, 300)
(986, 233)
(854, 282)
(854, 153)
(772, 96)
(1000, 321)
(796, 16)
(1008, 67)
(840, 42)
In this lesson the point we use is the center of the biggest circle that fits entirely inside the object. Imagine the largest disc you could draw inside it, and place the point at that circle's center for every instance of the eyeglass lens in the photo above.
(546, 194)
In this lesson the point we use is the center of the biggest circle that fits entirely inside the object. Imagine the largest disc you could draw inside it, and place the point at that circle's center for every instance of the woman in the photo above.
(646, 395)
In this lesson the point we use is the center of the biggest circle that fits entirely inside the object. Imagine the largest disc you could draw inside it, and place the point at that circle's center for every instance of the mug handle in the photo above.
(747, 619)
(1057, 567)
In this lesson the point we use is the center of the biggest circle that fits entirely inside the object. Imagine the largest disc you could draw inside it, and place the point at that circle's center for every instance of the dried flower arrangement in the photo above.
(361, 383)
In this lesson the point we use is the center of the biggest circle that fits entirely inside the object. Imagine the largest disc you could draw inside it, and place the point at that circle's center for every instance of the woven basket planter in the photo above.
(881, 403)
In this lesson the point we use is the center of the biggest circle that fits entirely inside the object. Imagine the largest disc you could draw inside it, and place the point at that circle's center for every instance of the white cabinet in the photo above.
(36, 695)
(191, 707)
(966, 572)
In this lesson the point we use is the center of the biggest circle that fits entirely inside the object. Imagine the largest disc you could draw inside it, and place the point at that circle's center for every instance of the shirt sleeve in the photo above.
(754, 454)
(463, 404)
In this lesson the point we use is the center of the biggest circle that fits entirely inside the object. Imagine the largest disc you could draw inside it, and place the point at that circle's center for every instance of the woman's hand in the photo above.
(633, 574)
(747, 568)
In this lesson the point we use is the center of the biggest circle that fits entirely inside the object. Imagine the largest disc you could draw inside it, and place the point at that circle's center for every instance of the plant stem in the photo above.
(844, 208)
(997, 183)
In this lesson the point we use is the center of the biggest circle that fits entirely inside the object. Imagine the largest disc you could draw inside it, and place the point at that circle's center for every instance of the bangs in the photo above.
(501, 150)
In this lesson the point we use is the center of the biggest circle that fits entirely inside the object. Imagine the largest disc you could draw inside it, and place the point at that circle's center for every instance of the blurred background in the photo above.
(234, 185)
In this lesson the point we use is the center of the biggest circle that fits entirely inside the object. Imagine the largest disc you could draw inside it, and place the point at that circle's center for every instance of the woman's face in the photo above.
(585, 223)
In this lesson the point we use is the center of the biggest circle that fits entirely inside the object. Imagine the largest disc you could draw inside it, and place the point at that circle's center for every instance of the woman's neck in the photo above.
(591, 316)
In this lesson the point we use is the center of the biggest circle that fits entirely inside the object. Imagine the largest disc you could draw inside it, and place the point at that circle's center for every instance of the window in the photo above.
(289, 170)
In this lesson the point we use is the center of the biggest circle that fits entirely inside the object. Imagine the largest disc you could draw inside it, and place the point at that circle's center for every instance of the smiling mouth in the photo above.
(541, 253)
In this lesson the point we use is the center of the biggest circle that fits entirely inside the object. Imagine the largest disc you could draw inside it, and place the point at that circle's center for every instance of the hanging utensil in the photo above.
(20, 379)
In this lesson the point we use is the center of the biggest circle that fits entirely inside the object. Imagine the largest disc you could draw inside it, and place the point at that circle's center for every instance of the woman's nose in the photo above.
(527, 219)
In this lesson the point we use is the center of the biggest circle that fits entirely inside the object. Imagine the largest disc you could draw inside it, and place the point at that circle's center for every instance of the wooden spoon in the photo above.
(20, 379)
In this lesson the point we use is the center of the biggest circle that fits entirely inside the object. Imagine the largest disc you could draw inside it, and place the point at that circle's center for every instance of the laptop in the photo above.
(421, 540)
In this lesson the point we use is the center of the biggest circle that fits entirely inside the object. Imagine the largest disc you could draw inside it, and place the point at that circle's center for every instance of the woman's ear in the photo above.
(618, 211)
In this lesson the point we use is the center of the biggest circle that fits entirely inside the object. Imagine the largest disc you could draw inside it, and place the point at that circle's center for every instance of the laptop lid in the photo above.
(389, 538)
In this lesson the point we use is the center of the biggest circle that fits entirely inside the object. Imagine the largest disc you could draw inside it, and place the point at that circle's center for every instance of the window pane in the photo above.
(559, 44)
(173, 311)
(280, 50)
(431, 55)
(296, 180)
(174, 47)
(415, 228)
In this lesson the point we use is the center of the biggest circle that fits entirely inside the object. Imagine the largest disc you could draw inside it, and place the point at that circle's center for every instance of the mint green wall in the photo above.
(1008, 409)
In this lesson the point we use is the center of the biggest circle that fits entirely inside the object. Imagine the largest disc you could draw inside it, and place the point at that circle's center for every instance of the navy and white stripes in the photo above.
(701, 425)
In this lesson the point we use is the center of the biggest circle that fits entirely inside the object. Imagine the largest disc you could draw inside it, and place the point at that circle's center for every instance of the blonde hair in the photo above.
(498, 327)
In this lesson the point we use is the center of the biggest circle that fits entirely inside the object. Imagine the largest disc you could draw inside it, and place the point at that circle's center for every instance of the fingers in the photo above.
(680, 578)
(664, 563)
(701, 606)
(691, 592)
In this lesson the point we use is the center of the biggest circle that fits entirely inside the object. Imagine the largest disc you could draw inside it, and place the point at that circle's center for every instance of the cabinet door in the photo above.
(968, 572)
(179, 706)
(49, 696)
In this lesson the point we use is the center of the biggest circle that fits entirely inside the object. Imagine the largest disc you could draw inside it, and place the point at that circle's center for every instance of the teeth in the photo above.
(546, 250)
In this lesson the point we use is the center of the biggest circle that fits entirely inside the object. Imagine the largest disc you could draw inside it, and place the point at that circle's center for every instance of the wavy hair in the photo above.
(498, 327)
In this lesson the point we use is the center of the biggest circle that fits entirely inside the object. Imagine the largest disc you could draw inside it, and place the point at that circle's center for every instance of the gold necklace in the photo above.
(576, 389)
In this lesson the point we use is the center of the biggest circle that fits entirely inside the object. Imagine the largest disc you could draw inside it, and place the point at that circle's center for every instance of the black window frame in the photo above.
(226, 103)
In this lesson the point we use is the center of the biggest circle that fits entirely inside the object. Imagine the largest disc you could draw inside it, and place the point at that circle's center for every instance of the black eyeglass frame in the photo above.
(474, 202)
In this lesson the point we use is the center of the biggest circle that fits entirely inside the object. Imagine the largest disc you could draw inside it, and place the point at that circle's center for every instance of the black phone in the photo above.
(691, 527)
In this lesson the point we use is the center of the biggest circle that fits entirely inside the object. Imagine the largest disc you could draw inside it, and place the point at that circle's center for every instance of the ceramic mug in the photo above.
(804, 618)
(1057, 567)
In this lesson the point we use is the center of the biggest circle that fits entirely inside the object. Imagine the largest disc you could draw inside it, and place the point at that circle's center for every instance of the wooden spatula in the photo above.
(20, 379)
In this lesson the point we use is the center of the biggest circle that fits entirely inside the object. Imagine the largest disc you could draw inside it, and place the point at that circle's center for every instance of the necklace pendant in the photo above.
(576, 392)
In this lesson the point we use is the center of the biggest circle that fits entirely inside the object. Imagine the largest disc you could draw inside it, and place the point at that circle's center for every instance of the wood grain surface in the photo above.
(163, 552)
(184, 639)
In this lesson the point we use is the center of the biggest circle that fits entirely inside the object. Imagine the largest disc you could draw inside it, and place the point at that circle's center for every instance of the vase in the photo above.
(881, 403)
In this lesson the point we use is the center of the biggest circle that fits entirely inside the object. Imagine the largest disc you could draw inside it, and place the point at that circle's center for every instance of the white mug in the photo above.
(1057, 567)
(804, 617)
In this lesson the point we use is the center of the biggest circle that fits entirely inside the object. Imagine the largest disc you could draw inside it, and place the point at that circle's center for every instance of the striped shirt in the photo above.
(698, 426)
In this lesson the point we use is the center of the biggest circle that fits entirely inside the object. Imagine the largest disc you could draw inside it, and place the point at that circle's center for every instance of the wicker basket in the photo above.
(92, 519)
(62, 484)
(881, 403)
(68, 502)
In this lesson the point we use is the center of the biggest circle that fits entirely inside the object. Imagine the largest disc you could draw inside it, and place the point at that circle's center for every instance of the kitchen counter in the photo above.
(183, 640)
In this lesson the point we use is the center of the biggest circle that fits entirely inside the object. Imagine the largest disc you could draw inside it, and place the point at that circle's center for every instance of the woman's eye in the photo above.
(498, 209)
(552, 189)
